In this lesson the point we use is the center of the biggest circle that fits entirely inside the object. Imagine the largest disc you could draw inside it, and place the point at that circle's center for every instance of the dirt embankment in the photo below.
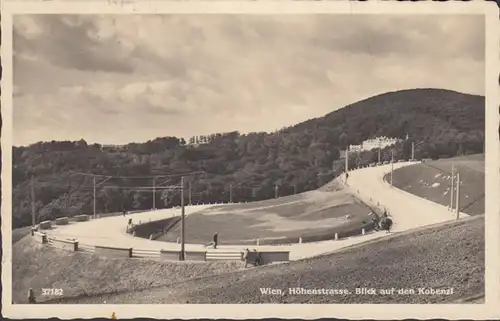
(443, 257)
(432, 181)
(82, 275)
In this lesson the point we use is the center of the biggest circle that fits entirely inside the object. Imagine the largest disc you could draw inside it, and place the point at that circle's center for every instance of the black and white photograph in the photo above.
(233, 158)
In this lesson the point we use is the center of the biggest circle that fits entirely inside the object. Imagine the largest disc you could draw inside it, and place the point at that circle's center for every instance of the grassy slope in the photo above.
(37, 266)
(19, 233)
(418, 179)
(238, 222)
(450, 256)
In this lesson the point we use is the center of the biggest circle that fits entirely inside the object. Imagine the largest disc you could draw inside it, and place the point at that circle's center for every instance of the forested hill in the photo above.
(298, 158)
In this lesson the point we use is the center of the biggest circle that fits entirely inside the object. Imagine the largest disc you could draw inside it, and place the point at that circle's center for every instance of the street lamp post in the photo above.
(452, 188)
(458, 196)
(183, 225)
(154, 193)
(392, 166)
(33, 219)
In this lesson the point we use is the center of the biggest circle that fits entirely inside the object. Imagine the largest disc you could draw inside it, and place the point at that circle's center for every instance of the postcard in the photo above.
(291, 159)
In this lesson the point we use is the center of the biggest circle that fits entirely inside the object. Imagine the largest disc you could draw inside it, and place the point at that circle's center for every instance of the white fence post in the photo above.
(362, 231)
(336, 236)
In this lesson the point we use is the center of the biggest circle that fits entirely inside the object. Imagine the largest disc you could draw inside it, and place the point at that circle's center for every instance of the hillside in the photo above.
(448, 255)
(39, 266)
(296, 159)
(313, 215)
(431, 180)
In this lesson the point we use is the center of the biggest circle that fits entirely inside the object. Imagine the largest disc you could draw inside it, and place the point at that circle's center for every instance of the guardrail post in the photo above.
(258, 242)
(133, 234)
(300, 240)
(150, 237)
(336, 236)
(362, 231)
(130, 252)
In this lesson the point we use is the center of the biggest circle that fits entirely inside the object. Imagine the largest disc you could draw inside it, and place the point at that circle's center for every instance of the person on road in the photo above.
(31, 296)
(245, 256)
(216, 240)
(376, 223)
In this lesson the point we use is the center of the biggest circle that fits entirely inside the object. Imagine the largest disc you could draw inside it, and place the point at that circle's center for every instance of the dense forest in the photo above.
(243, 167)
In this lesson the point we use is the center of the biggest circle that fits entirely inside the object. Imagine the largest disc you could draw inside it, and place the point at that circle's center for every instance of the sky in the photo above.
(115, 79)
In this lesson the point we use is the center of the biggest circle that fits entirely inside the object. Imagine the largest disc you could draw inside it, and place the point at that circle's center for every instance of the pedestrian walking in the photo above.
(216, 240)
(31, 296)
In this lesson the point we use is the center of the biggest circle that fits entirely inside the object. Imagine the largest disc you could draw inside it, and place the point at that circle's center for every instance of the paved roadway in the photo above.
(408, 212)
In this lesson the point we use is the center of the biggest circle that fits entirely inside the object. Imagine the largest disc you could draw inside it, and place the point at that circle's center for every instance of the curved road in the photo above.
(407, 210)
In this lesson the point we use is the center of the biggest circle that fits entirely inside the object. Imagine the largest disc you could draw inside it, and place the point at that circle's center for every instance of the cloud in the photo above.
(71, 41)
(135, 77)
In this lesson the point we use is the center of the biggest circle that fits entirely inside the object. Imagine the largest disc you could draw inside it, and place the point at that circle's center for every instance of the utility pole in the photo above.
(154, 193)
(458, 196)
(379, 149)
(452, 188)
(94, 196)
(392, 165)
(33, 220)
(230, 193)
(190, 193)
(346, 160)
(183, 234)
(346, 164)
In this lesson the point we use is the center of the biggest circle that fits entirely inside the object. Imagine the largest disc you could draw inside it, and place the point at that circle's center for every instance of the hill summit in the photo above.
(242, 167)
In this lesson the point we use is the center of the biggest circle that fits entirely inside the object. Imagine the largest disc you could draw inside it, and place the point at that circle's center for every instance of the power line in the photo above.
(113, 176)
(139, 177)
(104, 186)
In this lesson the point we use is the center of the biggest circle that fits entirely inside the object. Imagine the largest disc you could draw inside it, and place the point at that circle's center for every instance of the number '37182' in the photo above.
(52, 291)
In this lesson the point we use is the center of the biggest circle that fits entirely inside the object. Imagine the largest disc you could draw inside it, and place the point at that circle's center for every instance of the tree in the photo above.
(440, 122)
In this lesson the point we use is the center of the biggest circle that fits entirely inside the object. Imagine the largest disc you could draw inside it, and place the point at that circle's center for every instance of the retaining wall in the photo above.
(41, 237)
(169, 255)
(113, 251)
(275, 256)
(195, 255)
(67, 245)
(81, 218)
(45, 225)
(62, 221)
(268, 257)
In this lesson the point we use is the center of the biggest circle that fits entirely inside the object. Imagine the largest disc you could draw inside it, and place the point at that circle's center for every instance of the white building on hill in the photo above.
(377, 142)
